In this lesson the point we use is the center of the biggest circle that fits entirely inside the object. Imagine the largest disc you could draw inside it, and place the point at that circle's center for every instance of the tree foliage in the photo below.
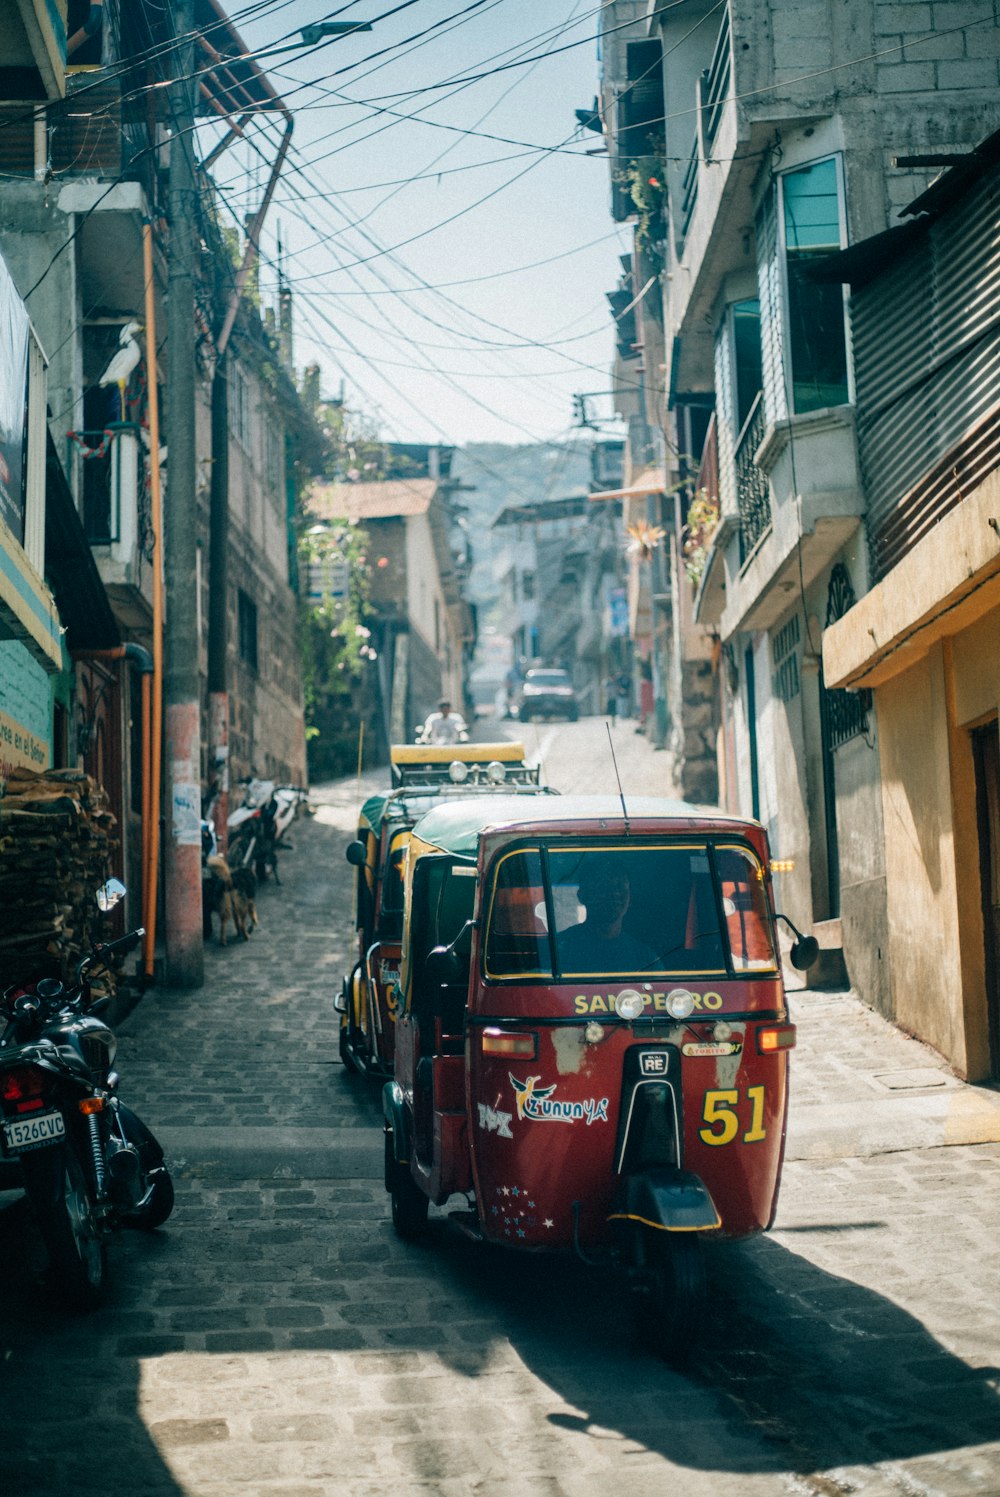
(338, 656)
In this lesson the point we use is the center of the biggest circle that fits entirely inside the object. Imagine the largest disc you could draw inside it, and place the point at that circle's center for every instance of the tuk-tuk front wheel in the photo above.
(409, 1204)
(673, 1287)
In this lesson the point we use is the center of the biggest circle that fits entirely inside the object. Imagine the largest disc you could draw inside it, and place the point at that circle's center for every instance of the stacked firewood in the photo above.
(55, 852)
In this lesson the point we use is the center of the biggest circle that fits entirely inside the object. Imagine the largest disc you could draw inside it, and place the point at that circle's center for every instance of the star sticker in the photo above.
(548, 1222)
(531, 1204)
(494, 1210)
(515, 1191)
(506, 1190)
(520, 1231)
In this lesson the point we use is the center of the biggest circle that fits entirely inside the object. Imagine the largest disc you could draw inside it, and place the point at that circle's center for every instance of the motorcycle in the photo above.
(253, 832)
(86, 1162)
(289, 799)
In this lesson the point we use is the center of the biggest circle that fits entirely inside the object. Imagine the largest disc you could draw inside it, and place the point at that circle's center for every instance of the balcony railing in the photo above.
(713, 86)
(689, 190)
(753, 495)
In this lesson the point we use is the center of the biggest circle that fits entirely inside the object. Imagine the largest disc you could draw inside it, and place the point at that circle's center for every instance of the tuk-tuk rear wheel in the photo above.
(671, 1311)
(409, 1204)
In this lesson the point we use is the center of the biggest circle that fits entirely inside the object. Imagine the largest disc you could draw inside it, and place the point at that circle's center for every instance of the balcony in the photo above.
(800, 501)
(711, 96)
(753, 494)
(713, 86)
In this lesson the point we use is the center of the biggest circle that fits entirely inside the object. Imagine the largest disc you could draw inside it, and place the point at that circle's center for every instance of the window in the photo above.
(744, 903)
(528, 586)
(683, 908)
(247, 622)
(785, 655)
(816, 330)
(391, 913)
(240, 423)
(746, 357)
(517, 943)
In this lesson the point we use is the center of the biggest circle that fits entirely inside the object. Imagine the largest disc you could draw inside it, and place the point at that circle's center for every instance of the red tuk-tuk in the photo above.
(592, 1045)
(423, 776)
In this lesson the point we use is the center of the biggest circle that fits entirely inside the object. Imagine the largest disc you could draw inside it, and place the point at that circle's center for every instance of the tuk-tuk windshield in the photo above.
(685, 908)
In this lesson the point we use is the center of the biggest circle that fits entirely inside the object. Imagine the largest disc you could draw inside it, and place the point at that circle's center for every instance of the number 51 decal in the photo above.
(723, 1123)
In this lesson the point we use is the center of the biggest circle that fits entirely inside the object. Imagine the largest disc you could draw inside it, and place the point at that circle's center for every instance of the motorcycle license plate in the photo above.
(35, 1132)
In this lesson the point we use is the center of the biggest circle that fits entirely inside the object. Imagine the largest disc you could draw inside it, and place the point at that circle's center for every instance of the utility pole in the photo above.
(182, 706)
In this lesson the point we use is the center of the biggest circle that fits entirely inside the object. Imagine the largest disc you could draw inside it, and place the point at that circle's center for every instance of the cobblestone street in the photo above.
(275, 1337)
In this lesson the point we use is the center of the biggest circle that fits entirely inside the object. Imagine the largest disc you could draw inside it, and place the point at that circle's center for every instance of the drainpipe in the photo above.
(156, 519)
(142, 661)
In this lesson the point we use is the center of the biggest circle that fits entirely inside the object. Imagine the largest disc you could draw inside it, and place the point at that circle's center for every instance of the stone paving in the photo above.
(276, 1338)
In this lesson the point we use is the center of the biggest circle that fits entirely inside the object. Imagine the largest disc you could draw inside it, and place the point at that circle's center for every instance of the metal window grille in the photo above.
(785, 683)
(753, 494)
(846, 711)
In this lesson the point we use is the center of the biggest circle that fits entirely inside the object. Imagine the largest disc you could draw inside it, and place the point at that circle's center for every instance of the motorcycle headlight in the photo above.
(680, 1003)
(629, 1004)
(495, 772)
(458, 772)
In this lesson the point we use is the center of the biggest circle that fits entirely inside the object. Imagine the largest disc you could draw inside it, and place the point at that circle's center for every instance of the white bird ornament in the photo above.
(125, 360)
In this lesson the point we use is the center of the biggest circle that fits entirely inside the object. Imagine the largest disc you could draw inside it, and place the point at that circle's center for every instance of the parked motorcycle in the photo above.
(289, 799)
(87, 1163)
(253, 833)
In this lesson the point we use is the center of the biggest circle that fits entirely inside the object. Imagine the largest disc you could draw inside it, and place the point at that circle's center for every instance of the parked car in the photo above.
(546, 693)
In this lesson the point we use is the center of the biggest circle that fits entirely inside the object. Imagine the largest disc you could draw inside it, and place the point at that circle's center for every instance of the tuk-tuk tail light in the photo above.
(774, 1038)
(510, 1042)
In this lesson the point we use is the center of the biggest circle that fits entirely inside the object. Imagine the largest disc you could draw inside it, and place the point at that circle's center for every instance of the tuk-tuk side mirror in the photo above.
(804, 952)
(805, 949)
(443, 966)
(355, 853)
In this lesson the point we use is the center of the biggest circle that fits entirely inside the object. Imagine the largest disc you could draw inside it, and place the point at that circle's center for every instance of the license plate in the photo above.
(36, 1132)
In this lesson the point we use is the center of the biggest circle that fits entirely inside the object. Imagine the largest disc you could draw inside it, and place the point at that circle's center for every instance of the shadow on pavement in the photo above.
(797, 1369)
(68, 1400)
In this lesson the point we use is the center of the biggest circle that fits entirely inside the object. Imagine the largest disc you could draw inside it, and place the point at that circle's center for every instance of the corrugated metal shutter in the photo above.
(927, 369)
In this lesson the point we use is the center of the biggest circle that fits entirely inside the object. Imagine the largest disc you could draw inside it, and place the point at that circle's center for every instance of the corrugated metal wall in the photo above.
(927, 368)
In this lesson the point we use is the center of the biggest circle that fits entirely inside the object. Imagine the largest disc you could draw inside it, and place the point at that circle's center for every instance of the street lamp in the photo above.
(311, 36)
(319, 29)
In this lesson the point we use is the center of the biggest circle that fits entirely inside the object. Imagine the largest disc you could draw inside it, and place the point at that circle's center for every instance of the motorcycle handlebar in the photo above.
(125, 943)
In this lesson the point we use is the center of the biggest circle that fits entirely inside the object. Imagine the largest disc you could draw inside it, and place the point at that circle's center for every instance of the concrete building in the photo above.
(422, 627)
(919, 649)
(746, 145)
(84, 158)
(560, 572)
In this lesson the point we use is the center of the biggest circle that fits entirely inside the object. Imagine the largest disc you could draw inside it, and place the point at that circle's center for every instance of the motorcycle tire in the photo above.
(58, 1192)
(670, 1315)
(408, 1203)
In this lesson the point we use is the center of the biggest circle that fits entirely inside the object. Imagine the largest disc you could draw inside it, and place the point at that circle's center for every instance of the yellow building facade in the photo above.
(926, 640)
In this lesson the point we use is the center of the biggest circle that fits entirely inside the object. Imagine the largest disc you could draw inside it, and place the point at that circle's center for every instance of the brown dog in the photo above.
(226, 897)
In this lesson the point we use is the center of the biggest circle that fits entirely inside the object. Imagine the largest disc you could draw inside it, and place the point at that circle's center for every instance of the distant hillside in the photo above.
(503, 475)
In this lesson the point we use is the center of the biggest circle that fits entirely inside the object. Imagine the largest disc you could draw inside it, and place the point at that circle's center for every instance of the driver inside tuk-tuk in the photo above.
(598, 943)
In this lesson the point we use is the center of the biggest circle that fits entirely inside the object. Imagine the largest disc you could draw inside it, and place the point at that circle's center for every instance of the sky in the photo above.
(514, 233)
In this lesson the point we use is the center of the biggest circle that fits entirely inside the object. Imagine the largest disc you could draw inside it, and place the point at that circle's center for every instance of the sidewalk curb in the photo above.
(271, 1153)
(921, 1121)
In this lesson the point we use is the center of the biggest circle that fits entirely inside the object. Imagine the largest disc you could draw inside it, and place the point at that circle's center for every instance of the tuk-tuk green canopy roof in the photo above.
(456, 828)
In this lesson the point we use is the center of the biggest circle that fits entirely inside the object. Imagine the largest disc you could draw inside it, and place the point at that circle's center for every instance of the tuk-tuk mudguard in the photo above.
(666, 1199)
(394, 1112)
